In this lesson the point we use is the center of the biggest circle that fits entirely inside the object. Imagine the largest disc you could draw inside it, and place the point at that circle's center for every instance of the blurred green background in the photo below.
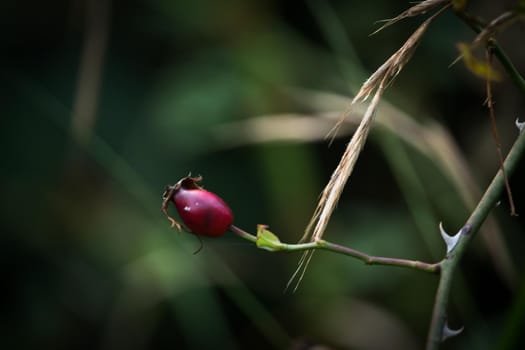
(104, 103)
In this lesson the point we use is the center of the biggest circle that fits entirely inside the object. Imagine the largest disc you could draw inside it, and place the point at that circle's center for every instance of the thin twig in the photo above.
(336, 248)
(243, 234)
(494, 128)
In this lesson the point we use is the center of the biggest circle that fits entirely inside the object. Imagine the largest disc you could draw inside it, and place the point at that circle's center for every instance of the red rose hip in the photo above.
(203, 212)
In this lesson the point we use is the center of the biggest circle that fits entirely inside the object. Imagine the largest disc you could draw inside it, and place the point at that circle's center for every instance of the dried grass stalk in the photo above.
(419, 8)
(377, 82)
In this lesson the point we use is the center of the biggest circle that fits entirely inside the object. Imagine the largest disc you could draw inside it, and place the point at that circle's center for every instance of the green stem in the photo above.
(510, 68)
(439, 315)
(471, 227)
(336, 248)
(243, 234)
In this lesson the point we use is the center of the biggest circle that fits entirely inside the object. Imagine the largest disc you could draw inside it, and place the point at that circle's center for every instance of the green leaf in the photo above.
(267, 240)
(474, 65)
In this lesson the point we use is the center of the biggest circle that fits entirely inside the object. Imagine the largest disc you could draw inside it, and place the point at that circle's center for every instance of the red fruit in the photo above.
(203, 212)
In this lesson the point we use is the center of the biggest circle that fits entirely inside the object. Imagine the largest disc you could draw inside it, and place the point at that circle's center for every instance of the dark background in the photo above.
(88, 261)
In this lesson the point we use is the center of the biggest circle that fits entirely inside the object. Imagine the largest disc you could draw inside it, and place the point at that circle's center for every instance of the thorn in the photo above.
(450, 241)
(449, 333)
(455, 61)
(520, 125)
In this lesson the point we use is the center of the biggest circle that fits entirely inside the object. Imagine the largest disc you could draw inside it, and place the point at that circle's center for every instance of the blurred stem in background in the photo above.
(90, 70)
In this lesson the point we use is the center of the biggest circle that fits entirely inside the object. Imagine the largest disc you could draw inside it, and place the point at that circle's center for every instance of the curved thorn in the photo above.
(450, 241)
(449, 333)
(520, 125)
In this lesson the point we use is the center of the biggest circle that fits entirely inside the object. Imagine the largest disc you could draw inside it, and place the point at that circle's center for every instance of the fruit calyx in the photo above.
(187, 182)
(202, 212)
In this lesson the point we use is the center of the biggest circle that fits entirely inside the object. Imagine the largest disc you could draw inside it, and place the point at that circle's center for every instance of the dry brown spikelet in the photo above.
(377, 82)
(419, 8)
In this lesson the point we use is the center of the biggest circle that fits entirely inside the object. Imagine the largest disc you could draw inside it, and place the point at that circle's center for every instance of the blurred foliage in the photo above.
(89, 261)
